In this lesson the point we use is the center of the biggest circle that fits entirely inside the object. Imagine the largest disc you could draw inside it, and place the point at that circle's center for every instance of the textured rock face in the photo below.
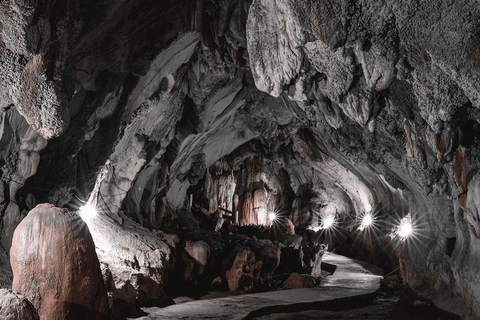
(14, 306)
(195, 260)
(244, 271)
(307, 108)
(255, 188)
(55, 265)
(383, 67)
(298, 281)
(28, 30)
(135, 262)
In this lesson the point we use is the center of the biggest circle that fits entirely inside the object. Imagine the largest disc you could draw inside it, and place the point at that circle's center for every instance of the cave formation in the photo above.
(154, 152)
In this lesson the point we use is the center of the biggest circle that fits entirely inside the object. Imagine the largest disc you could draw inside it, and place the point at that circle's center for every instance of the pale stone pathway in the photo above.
(352, 278)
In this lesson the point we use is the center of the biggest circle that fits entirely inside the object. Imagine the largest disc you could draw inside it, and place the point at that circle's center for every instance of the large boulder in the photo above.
(299, 281)
(194, 260)
(135, 262)
(244, 272)
(269, 254)
(55, 265)
(199, 251)
(14, 306)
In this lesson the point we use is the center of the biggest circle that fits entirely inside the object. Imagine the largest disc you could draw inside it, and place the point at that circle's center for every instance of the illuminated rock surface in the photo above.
(298, 281)
(55, 265)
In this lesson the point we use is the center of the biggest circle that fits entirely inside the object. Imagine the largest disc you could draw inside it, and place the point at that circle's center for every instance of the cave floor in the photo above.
(351, 279)
(386, 306)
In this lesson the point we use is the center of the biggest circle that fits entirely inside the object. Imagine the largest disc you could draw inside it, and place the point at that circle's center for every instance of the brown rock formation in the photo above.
(194, 260)
(244, 271)
(289, 228)
(298, 281)
(55, 265)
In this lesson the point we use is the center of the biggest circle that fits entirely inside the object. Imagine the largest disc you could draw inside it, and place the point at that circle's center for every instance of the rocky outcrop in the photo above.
(14, 306)
(298, 281)
(55, 265)
(195, 260)
(268, 254)
(244, 272)
(135, 262)
(40, 95)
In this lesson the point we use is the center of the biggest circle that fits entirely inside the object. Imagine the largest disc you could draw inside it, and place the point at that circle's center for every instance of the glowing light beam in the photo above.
(272, 216)
(366, 221)
(328, 221)
(405, 229)
(88, 212)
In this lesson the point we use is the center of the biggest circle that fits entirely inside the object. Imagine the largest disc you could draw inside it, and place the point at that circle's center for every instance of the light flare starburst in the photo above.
(367, 221)
(88, 212)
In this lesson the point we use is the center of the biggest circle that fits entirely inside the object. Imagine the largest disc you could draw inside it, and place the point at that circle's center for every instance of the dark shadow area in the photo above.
(385, 305)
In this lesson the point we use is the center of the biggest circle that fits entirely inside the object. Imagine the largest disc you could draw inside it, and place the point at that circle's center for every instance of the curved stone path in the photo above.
(351, 279)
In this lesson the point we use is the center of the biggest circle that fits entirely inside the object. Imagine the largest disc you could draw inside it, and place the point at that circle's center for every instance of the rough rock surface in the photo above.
(55, 265)
(244, 271)
(195, 259)
(298, 281)
(307, 108)
(14, 306)
(373, 61)
(135, 262)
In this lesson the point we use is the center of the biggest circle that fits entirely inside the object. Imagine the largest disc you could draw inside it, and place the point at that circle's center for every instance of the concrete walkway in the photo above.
(351, 279)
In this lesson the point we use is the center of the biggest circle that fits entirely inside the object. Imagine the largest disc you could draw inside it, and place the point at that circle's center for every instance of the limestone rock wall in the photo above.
(404, 85)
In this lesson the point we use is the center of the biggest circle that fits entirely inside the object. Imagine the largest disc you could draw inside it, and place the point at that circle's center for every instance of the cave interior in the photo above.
(239, 159)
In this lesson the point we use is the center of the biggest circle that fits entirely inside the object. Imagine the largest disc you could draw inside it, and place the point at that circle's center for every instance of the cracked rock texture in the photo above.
(307, 108)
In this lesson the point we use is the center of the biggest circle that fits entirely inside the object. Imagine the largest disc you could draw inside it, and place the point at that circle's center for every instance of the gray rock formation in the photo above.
(14, 306)
(305, 108)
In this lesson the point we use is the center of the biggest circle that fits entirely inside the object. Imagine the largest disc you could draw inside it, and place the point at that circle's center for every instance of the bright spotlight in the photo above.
(328, 221)
(272, 216)
(366, 221)
(404, 229)
(87, 212)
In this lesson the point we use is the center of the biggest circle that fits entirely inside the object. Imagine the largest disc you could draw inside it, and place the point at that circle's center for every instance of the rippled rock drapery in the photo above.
(349, 107)
(55, 265)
